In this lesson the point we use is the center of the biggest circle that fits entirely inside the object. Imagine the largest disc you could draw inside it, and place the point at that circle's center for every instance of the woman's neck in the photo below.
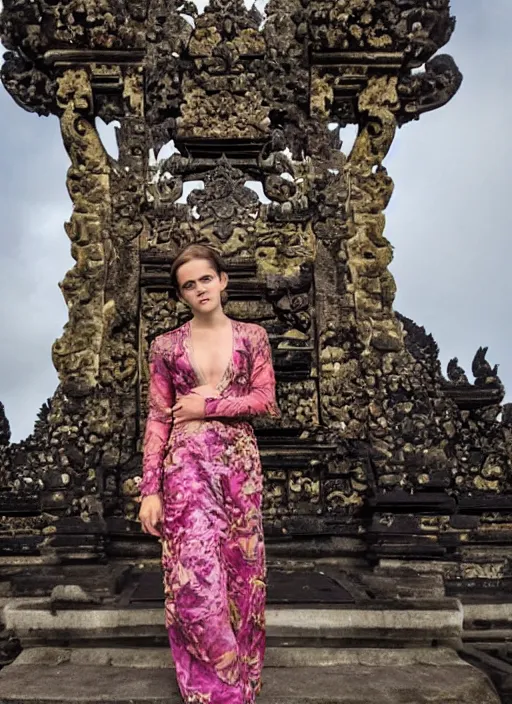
(215, 319)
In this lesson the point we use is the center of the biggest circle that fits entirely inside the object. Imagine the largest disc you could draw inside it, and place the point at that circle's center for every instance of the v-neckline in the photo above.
(219, 386)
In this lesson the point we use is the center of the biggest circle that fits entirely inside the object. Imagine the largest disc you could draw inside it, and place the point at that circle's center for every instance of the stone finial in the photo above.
(484, 374)
(456, 373)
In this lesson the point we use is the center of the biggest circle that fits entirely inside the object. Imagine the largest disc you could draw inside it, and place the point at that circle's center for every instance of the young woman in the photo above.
(202, 485)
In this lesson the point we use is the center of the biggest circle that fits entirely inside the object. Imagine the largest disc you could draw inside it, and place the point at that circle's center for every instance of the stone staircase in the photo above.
(382, 648)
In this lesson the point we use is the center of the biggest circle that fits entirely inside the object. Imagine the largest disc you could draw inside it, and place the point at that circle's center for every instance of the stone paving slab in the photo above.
(344, 684)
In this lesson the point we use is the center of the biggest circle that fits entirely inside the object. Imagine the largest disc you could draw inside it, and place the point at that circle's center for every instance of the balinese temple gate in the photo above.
(378, 455)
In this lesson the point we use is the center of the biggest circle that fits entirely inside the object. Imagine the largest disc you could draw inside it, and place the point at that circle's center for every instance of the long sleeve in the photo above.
(261, 399)
(158, 424)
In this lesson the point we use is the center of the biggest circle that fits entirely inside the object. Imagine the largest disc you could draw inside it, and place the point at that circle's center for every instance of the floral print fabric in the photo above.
(209, 475)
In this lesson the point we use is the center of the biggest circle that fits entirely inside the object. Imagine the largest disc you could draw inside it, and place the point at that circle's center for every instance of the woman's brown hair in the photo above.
(196, 251)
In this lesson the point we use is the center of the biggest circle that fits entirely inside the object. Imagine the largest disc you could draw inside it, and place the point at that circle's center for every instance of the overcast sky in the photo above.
(449, 220)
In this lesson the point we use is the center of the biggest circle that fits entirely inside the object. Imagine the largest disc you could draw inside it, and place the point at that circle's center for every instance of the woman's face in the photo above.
(200, 286)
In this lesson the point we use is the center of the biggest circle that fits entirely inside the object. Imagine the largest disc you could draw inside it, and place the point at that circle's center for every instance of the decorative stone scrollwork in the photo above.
(76, 354)
(430, 89)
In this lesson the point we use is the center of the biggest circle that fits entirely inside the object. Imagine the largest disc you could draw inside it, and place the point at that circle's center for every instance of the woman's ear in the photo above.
(223, 293)
(179, 299)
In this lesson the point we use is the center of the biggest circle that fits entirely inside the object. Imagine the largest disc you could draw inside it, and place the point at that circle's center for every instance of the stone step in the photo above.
(491, 635)
(35, 622)
(365, 677)
(274, 657)
(479, 616)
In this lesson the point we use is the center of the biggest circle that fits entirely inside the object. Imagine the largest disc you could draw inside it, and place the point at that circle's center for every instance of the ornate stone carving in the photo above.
(430, 89)
(76, 354)
(253, 107)
(370, 188)
(31, 88)
(406, 26)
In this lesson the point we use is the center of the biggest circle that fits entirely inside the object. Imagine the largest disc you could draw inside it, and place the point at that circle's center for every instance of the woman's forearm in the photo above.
(257, 403)
(159, 421)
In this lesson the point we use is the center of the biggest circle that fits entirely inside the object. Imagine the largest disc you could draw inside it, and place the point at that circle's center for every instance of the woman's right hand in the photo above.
(151, 514)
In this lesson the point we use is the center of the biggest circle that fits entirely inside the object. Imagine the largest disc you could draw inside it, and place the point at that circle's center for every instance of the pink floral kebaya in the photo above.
(209, 475)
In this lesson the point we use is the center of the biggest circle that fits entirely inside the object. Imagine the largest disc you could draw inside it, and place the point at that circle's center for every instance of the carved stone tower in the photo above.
(375, 446)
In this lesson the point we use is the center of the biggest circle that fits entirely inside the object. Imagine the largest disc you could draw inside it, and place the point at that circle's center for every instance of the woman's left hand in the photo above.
(187, 408)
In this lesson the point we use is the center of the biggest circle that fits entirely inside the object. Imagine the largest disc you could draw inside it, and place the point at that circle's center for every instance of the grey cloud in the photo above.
(449, 218)
(34, 256)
